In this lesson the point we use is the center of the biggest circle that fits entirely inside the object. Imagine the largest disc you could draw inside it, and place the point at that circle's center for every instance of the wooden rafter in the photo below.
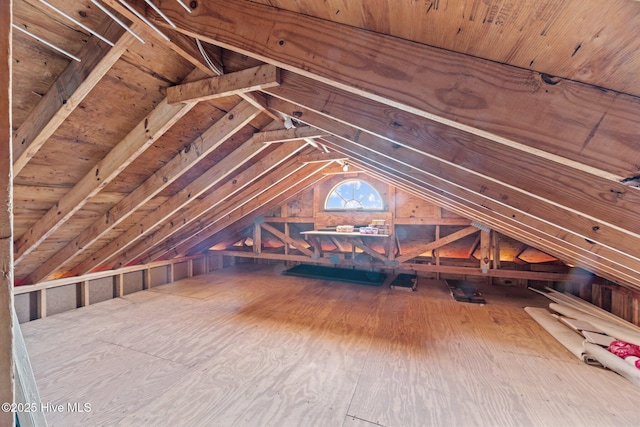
(437, 84)
(235, 119)
(517, 204)
(502, 173)
(293, 183)
(141, 137)
(528, 230)
(70, 88)
(185, 46)
(534, 233)
(155, 243)
(210, 140)
(256, 78)
(247, 185)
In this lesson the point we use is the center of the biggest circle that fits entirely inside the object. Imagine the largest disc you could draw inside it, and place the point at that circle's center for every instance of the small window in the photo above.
(354, 194)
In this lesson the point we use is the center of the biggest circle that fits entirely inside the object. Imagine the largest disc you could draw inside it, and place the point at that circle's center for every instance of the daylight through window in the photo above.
(353, 194)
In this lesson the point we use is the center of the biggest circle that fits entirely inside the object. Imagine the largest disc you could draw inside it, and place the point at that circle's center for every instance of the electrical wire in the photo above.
(208, 60)
(43, 41)
(118, 21)
(78, 23)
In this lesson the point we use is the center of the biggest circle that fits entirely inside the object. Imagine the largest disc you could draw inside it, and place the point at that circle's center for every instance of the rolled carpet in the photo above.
(613, 362)
(563, 334)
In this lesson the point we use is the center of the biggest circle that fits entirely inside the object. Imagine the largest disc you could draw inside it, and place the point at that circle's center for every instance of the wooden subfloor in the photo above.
(245, 346)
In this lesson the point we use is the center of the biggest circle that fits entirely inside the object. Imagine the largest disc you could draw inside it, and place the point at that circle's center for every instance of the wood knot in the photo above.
(460, 98)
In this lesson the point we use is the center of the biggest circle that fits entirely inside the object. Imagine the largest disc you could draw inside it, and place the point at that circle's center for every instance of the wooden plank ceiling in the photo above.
(522, 116)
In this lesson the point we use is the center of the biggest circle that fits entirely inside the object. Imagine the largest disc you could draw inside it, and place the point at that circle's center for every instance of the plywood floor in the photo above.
(245, 346)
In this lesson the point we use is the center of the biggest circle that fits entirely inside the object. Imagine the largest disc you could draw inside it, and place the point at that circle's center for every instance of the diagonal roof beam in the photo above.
(141, 137)
(227, 125)
(242, 116)
(71, 87)
(446, 178)
(185, 46)
(471, 205)
(285, 185)
(438, 243)
(157, 243)
(580, 206)
(564, 121)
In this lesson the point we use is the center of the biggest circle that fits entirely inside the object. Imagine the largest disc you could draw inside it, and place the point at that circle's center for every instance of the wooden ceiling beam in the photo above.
(149, 248)
(323, 157)
(141, 137)
(227, 198)
(211, 139)
(592, 207)
(227, 125)
(185, 46)
(532, 236)
(284, 135)
(531, 231)
(304, 177)
(68, 91)
(490, 212)
(251, 79)
(560, 120)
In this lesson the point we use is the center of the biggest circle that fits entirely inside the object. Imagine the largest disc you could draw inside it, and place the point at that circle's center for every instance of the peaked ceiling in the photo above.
(522, 116)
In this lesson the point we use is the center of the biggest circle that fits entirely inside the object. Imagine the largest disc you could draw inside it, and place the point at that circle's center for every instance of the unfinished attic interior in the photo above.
(213, 211)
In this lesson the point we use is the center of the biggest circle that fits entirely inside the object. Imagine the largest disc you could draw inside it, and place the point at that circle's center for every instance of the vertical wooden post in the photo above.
(496, 249)
(172, 272)
(205, 263)
(286, 233)
(147, 279)
(257, 238)
(437, 252)
(84, 293)
(485, 250)
(7, 392)
(42, 303)
(119, 285)
(190, 267)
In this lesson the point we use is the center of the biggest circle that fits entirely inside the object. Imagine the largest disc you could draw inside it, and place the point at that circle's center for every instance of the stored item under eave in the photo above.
(405, 282)
(464, 291)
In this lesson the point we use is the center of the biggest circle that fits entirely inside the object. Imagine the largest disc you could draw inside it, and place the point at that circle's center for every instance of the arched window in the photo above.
(354, 194)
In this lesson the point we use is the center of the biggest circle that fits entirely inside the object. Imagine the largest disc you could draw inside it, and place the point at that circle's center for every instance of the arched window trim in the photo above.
(333, 190)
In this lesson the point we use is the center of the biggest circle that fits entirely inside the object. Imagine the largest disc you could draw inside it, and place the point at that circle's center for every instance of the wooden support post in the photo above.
(84, 293)
(190, 267)
(147, 279)
(496, 249)
(172, 273)
(436, 251)
(257, 238)
(286, 233)
(485, 250)
(205, 264)
(42, 303)
(118, 285)
(6, 218)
